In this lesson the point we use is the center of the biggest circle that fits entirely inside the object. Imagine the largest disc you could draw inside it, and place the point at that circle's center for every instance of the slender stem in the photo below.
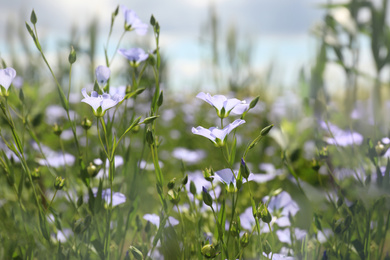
(116, 49)
(52, 199)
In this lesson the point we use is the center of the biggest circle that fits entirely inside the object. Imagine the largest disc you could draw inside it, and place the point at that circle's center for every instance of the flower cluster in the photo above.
(223, 107)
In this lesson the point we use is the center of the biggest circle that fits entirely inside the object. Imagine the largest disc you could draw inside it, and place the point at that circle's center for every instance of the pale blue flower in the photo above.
(102, 74)
(6, 77)
(220, 102)
(155, 220)
(281, 206)
(216, 135)
(100, 103)
(188, 156)
(134, 55)
(117, 197)
(133, 21)
(285, 235)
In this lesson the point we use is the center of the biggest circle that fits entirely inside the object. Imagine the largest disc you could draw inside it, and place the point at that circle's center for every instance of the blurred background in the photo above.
(271, 38)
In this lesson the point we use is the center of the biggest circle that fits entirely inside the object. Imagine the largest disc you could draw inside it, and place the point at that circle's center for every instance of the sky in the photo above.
(278, 29)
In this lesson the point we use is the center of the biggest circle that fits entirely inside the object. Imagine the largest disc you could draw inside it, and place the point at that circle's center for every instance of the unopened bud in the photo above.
(244, 241)
(185, 180)
(263, 214)
(380, 149)
(173, 197)
(207, 197)
(136, 253)
(209, 251)
(59, 183)
(36, 174)
(208, 174)
(33, 17)
(72, 56)
(266, 130)
(171, 184)
(57, 129)
(192, 188)
(244, 170)
(92, 170)
(267, 249)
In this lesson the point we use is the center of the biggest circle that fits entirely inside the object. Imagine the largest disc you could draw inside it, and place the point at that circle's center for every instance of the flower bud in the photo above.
(173, 197)
(149, 137)
(92, 170)
(254, 102)
(244, 170)
(209, 251)
(171, 184)
(207, 197)
(185, 180)
(57, 129)
(263, 214)
(59, 183)
(266, 130)
(208, 174)
(315, 165)
(86, 123)
(323, 153)
(36, 174)
(380, 149)
(267, 249)
(244, 241)
(149, 120)
(72, 56)
(192, 188)
(136, 253)
(160, 99)
(33, 17)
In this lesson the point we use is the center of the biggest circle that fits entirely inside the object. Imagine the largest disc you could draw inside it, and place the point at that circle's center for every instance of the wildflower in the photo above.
(188, 156)
(117, 197)
(132, 21)
(155, 220)
(223, 105)
(100, 103)
(6, 77)
(134, 55)
(102, 74)
(285, 235)
(282, 206)
(216, 135)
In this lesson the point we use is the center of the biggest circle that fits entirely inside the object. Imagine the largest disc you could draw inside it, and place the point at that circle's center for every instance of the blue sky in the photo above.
(278, 29)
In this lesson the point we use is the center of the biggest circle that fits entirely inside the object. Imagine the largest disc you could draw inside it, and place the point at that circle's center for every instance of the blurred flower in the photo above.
(280, 257)
(285, 236)
(102, 74)
(216, 135)
(134, 55)
(343, 16)
(149, 166)
(188, 156)
(324, 235)
(220, 102)
(6, 77)
(57, 159)
(63, 235)
(121, 91)
(248, 221)
(100, 103)
(18, 82)
(155, 220)
(133, 22)
(341, 137)
(104, 172)
(117, 197)
(281, 206)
